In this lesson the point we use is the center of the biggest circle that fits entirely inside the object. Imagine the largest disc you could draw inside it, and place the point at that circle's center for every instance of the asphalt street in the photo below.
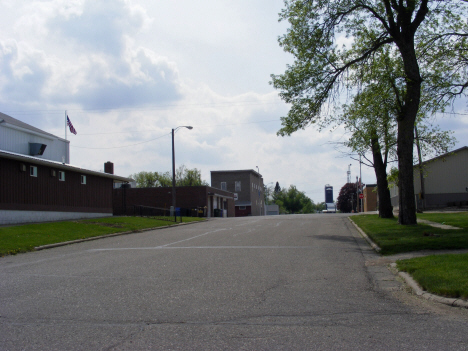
(298, 282)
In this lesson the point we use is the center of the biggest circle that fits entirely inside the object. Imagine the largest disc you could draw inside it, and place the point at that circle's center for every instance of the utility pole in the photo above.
(360, 183)
(421, 175)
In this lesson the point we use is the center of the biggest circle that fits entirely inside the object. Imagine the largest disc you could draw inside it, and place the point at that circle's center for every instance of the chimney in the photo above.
(109, 167)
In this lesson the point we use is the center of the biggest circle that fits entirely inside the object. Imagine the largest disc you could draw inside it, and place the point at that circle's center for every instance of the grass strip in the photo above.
(23, 238)
(459, 219)
(443, 275)
(394, 238)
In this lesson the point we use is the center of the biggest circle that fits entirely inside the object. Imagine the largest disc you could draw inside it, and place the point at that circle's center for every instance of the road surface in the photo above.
(299, 282)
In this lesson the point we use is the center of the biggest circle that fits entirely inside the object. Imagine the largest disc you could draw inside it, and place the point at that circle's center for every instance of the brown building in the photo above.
(38, 184)
(38, 190)
(370, 198)
(213, 201)
(247, 186)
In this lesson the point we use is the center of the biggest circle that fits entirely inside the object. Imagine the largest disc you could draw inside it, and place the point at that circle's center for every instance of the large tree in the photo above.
(371, 120)
(423, 32)
(347, 198)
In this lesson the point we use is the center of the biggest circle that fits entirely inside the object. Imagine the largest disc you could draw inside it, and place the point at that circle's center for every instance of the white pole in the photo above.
(66, 151)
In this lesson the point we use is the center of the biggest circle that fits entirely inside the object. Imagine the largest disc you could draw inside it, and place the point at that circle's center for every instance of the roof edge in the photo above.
(58, 165)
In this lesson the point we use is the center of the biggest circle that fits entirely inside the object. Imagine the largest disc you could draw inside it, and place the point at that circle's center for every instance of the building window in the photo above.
(83, 179)
(242, 207)
(223, 186)
(238, 186)
(33, 171)
(61, 176)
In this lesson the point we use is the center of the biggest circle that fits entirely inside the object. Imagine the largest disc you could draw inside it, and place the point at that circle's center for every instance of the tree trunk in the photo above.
(385, 204)
(407, 210)
(405, 139)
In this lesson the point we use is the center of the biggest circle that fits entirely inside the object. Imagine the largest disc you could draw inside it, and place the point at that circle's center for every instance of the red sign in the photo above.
(361, 196)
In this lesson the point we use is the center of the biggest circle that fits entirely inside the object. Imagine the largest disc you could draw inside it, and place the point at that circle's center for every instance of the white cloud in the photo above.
(98, 26)
(128, 72)
(23, 73)
(89, 58)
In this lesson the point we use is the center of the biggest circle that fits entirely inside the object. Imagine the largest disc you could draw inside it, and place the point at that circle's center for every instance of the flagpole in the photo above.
(66, 151)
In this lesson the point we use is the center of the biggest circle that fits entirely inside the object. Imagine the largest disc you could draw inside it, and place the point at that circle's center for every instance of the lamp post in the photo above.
(173, 171)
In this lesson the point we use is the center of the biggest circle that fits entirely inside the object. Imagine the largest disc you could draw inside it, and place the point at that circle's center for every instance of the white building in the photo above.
(24, 139)
(445, 181)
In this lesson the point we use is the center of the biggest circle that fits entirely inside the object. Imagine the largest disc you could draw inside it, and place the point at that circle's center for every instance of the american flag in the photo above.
(69, 123)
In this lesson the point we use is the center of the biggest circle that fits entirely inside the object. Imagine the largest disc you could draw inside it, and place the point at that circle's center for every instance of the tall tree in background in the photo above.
(184, 177)
(430, 33)
(189, 177)
(293, 201)
(268, 194)
(347, 198)
(145, 179)
(277, 188)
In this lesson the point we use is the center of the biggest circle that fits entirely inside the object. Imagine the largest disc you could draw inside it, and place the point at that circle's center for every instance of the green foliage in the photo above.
(184, 177)
(319, 207)
(268, 194)
(347, 198)
(393, 177)
(189, 177)
(293, 201)
(372, 117)
(145, 179)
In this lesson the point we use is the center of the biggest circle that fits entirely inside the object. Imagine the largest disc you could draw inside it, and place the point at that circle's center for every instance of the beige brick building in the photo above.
(247, 186)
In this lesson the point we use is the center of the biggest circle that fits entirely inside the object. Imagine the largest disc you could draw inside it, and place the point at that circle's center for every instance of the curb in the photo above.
(412, 283)
(428, 296)
(369, 240)
(51, 246)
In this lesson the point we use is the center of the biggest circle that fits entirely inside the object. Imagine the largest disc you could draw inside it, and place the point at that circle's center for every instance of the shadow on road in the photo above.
(339, 238)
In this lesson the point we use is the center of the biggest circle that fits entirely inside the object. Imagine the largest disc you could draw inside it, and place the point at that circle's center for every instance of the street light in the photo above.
(173, 171)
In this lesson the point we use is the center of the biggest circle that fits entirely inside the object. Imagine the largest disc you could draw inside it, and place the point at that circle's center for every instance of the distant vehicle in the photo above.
(330, 208)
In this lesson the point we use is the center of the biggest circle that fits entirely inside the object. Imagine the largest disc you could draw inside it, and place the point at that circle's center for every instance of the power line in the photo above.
(119, 147)
(197, 126)
(147, 141)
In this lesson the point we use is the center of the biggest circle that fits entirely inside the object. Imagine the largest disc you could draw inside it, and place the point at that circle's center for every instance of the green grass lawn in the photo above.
(23, 238)
(444, 275)
(394, 238)
(458, 219)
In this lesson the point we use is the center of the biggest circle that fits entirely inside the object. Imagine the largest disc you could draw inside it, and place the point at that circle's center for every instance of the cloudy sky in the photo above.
(128, 71)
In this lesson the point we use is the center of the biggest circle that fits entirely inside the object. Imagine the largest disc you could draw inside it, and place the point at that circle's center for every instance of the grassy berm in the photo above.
(393, 238)
(443, 275)
(23, 238)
